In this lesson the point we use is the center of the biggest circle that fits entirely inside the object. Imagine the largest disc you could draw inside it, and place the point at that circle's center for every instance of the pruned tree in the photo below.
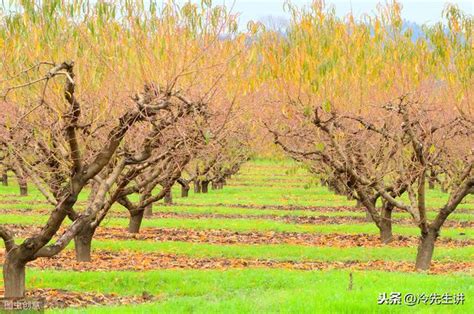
(67, 164)
(387, 153)
(64, 142)
(333, 145)
(141, 166)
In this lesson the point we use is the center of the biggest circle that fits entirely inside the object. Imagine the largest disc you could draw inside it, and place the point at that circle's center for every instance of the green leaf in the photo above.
(432, 149)
(327, 106)
(320, 147)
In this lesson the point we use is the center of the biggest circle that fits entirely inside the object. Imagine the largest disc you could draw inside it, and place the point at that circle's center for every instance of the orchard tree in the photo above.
(226, 149)
(67, 122)
(384, 156)
(83, 165)
(9, 163)
(140, 166)
(330, 79)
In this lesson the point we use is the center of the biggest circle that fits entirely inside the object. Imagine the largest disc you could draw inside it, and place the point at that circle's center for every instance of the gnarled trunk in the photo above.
(205, 186)
(184, 187)
(368, 215)
(14, 277)
(83, 244)
(386, 235)
(21, 179)
(426, 249)
(135, 221)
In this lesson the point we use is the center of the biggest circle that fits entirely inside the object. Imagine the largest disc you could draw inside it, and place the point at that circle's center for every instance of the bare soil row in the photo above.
(219, 236)
(137, 261)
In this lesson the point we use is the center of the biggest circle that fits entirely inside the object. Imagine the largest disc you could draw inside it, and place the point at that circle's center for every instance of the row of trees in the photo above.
(158, 95)
(9, 163)
(374, 113)
(147, 96)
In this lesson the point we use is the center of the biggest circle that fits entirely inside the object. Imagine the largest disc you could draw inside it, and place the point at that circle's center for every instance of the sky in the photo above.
(418, 11)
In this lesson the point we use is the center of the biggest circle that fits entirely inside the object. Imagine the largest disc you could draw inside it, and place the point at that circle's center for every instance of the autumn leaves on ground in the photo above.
(255, 245)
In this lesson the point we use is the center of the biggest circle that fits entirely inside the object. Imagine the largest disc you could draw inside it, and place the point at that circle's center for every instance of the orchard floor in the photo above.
(270, 241)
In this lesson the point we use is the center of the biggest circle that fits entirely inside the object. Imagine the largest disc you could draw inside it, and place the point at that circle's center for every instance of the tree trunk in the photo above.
(5, 179)
(425, 250)
(168, 198)
(386, 235)
(23, 189)
(83, 244)
(205, 186)
(21, 179)
(360, 205)
(197, 186)
(184, 191)
(184, 187)
(135, 221)
(213, 185)
(14, 277)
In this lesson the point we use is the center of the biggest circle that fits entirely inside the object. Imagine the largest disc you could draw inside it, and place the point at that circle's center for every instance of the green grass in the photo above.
(280, 252)
(261, 182)
(225, 210)
(306, 195)
(284, 252)
(260, 290)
